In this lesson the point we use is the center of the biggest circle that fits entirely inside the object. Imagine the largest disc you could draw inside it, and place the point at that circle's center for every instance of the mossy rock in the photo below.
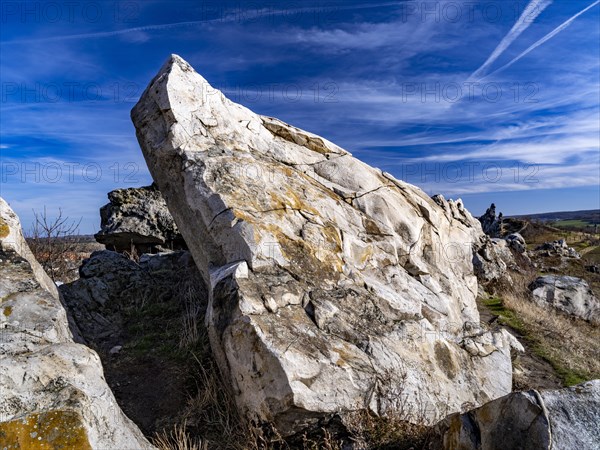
(4, 228)
(52, 430)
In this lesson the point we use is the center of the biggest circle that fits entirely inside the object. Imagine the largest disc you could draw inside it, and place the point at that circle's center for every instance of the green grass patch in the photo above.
(510, 318)
(574, 224)
(506, 316)
(569, 377)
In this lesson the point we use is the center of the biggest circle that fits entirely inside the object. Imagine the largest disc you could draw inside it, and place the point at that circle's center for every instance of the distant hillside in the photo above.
(591, 216)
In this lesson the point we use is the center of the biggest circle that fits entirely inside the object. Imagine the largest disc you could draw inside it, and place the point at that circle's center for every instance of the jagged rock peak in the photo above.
(490, 223)
(331, 283)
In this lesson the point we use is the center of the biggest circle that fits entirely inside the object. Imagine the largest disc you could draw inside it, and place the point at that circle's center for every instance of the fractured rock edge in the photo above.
(304, 330)
(53, 390)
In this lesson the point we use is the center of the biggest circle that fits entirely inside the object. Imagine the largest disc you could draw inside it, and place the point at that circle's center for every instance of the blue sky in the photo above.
(492, 101)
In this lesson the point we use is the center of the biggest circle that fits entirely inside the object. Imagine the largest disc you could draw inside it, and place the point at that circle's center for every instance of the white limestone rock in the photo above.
(334, 285)
(52, 391)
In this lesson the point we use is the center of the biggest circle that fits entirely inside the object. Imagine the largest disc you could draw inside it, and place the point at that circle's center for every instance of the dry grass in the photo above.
(193, 315)
(570, 345)
(368, 431)
(177, 439)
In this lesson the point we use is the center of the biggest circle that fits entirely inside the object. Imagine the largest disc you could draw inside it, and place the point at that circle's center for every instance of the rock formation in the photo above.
(492, 260)
(557, 248)
(570, 295)
(490, 223)
(110, 283)
(565, 419)
(138, 218)
(53, 390)
(516, 242)
(333, 286)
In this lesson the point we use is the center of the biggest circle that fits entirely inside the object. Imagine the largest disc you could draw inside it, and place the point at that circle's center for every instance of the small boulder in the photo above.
(570, 295)
(516, 242)
(138, 218)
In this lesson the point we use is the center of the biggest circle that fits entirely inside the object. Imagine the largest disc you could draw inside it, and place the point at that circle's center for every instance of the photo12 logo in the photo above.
(436, 92)
(69, 12)
(68, 172)
(69, 92)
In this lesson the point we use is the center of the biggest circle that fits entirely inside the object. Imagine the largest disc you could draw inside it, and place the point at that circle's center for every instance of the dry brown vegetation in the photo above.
(570, 345)
(57, 245)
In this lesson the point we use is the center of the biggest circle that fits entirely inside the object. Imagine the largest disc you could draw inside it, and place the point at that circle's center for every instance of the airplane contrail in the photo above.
(549, 36)
(230, 18)
(533, 9)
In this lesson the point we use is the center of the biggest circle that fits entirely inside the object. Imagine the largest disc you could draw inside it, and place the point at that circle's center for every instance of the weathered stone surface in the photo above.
(516, 242)
(138, 218)
(570, 295)
(492, 260)
(109, 283)
(565, 419)
(490, 223)
(557, 248)
(332, 285)
(53, 392)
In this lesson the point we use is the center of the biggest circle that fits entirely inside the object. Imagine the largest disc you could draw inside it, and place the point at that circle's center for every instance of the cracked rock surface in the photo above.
(137, 218)
(52, 390)
(333, 286)
(565, 419)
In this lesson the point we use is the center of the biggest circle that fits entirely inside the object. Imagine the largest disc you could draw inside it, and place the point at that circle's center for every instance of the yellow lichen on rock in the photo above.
(4, 229)
(52, 430)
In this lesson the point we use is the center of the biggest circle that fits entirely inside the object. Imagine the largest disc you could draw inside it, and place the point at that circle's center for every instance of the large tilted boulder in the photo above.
(333, 286)
(570, 295)
(138, 218)
(53, 392)
(565, 419)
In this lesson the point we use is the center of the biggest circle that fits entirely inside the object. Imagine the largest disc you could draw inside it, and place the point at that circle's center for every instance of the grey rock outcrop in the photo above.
(570, 295)
(516, 242)
(53, 390)
(138, 218)
(333, 287)
(557, 248)
(565, 419)
(492, 260)
(490, 223)
(109, 283)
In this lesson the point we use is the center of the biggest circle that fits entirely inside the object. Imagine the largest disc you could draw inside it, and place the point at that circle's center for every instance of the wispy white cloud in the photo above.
(533, 9)
(546, 38)
(236, 16)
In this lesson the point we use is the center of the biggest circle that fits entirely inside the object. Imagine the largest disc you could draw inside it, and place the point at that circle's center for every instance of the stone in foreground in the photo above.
(565, 419)
(53, 391)
(138, 218)
(333, 286)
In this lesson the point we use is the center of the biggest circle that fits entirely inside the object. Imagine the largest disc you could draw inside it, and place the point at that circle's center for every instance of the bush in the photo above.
(54, 243)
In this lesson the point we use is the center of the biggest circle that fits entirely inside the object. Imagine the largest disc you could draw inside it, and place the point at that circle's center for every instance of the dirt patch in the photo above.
(150, 390)
(530, 371)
